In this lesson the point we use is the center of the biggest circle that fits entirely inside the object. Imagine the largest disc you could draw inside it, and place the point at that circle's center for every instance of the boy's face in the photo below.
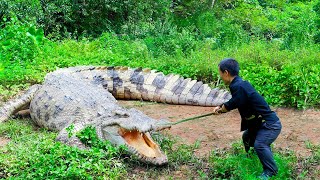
(225, 76)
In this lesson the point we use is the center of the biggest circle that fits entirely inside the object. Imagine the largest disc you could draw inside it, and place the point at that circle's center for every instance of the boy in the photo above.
(261, 126)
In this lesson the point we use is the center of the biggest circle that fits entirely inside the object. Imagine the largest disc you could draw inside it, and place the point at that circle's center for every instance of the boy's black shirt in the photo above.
(249, 103)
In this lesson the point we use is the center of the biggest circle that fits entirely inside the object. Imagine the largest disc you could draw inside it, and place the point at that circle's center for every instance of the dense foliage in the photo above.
(277, 42)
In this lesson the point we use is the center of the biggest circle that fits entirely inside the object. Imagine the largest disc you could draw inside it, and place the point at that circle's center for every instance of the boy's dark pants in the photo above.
(265, 135)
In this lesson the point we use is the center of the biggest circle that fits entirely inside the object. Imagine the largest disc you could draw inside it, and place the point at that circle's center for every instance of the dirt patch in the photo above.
(4, 141)
(299, 127)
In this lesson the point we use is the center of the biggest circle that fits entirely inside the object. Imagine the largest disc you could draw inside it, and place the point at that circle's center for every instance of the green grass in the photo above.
(234, 164)
(32, 153)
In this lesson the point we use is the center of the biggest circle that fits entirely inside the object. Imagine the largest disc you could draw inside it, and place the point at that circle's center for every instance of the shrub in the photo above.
(20, 44)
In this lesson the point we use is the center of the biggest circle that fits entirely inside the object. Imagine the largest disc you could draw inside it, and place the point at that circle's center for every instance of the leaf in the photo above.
(32, 31)
(6, 43)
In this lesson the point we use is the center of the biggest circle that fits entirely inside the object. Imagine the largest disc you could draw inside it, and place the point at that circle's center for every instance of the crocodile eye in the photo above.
(121, 114)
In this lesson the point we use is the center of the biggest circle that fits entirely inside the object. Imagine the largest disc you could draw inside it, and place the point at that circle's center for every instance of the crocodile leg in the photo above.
(25, 113)
(15, 105)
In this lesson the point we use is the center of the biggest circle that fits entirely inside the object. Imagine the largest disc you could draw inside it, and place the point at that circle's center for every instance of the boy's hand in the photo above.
(217, 110)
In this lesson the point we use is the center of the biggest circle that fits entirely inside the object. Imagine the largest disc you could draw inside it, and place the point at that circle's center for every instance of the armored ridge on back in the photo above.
(150, 85)
(85, 96)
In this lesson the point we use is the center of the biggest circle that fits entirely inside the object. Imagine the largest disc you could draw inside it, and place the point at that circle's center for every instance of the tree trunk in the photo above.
(212, 4)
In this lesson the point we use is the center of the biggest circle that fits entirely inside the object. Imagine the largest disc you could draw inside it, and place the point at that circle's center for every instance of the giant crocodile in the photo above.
(86, 96)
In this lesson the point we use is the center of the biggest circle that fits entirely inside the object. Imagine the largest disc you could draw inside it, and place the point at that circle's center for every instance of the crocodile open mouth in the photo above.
(142, 145)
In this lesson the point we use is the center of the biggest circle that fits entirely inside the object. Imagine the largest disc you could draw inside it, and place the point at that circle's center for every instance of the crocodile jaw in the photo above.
(142, 145)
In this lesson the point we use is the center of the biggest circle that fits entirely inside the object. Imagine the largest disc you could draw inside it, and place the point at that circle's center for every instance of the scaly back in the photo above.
(150, 85)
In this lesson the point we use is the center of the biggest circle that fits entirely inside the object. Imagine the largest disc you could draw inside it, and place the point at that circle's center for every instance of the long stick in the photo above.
(189, 119)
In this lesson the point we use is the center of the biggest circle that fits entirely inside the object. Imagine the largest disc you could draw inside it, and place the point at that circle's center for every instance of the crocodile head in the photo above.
(132, 128)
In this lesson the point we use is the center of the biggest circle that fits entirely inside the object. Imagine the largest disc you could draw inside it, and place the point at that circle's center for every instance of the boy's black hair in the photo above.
(231, 65)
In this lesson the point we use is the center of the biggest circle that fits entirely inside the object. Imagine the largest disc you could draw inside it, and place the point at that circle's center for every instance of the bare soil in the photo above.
(220, 131)
(3, 141)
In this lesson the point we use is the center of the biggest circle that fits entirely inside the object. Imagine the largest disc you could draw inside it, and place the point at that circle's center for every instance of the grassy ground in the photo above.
(33, 153)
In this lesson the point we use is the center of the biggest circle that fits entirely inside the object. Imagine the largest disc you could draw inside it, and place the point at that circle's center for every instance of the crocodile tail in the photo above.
(13, 106)
(150, 85)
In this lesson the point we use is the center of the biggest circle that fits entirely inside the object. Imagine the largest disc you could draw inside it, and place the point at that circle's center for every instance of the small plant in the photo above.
(70, 129)
(308, 167)
(89, 137)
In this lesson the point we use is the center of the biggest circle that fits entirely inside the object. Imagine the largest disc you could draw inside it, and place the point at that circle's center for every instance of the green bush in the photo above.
(20, 44)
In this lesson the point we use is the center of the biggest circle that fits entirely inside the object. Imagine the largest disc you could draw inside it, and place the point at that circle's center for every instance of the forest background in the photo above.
(276, 42)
